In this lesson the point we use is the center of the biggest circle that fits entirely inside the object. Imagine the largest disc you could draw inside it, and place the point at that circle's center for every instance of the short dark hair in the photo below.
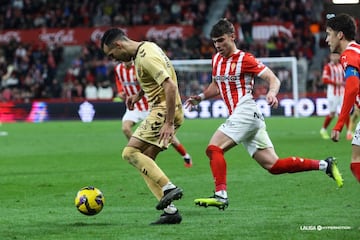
(223, 26)
(344, 23)
(111, 35)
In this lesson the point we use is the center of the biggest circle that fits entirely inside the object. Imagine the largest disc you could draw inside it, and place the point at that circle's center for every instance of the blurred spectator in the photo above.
(37, 65)
(91, 91)
(55, 89)
(105, 91)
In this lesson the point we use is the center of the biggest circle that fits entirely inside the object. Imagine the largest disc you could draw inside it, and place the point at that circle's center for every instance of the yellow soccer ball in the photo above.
(89, 200)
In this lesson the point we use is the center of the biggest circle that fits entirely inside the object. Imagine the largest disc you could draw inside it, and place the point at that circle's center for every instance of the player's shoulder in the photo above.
(118, 66)
(352, 50)
(351, 55)
(147, 47)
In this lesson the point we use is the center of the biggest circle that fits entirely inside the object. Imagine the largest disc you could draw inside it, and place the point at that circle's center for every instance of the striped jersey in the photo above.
(349, 57)
(235, 75)
(333, 75)
(127, 82)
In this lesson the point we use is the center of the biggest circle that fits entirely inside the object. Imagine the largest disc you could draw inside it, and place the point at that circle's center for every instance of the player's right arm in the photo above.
(211, 91)
(352, 79)
(274, 86)
(132, 99)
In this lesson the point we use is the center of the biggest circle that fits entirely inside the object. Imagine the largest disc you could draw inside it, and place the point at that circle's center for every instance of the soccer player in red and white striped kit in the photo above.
(333, 77)
(127, 84)
(341, 32)
(233, 72)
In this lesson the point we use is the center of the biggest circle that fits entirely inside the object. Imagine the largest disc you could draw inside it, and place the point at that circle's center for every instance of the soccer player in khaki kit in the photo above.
(158, 81)
(127, 85)
(233, 72)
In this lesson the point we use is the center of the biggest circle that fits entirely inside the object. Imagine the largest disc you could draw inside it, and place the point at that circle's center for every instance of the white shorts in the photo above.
(356, 138)
(335, 103)
(247, 126)
(134, 115)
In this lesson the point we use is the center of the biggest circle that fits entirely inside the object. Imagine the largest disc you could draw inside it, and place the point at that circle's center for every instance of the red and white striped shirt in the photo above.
(333, 75)
(235, 76)
(350, 57)
(127, 82)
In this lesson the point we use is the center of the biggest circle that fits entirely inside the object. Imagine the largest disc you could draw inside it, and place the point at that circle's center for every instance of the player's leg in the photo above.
(133, 153)
(355, 162)
(126, 128)
(323, 131)
(182, 151)
(129, 119)
(269, 160)
(215, 153)
(352, 122)
(171, 214)
(244, 122)
(355, 156)
(145, 138)
(333, 103)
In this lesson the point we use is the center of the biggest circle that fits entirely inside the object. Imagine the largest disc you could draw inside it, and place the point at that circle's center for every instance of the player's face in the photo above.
(225, 44)
(333, 40)
(116, 52)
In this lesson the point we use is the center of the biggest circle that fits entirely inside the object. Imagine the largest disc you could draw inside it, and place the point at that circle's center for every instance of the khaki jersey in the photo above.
(152, 68)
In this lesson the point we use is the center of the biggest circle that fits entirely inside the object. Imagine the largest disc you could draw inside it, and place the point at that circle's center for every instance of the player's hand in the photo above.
(122, 96)
(335, 135)
(272, 99)
(167, 133)
(192, 101)
(130, 102)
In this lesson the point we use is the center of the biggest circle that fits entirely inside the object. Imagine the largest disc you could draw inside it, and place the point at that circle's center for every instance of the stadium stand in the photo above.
(31, 71)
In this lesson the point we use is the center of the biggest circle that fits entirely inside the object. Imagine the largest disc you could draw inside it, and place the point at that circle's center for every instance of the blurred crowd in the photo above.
(30, 71)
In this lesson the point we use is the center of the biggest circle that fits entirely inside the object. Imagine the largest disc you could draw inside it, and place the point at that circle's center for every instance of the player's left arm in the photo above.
(352, 79)
(274, 85)
(168, 129)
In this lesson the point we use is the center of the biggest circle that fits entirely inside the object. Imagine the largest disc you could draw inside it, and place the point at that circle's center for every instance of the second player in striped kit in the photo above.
(233, 79)
(333, 77)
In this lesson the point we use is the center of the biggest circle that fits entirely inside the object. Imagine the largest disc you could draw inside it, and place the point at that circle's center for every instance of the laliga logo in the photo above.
(60, 36)
(6, 37)
(170, 32)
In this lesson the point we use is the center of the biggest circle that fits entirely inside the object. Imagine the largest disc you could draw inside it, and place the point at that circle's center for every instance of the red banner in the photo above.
(79, 36)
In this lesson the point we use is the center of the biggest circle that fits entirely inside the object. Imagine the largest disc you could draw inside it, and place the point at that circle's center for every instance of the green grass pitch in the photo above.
(43, 165)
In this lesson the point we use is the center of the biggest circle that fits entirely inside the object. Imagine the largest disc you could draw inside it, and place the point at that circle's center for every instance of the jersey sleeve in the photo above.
(351, 88)
(252, 64)
(348, 58)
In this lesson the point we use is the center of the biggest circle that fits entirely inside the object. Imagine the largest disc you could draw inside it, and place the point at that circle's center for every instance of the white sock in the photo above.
(186, 155)
(221, 193)
(323, 165)
(169, 185)
(171, 209)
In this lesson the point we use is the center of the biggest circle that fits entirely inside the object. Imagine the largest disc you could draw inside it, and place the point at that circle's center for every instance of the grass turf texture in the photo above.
(44, 165)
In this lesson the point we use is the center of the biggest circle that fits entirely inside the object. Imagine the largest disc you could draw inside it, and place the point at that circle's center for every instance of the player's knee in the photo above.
(127, 133)
(211, 149)
(128, 153)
